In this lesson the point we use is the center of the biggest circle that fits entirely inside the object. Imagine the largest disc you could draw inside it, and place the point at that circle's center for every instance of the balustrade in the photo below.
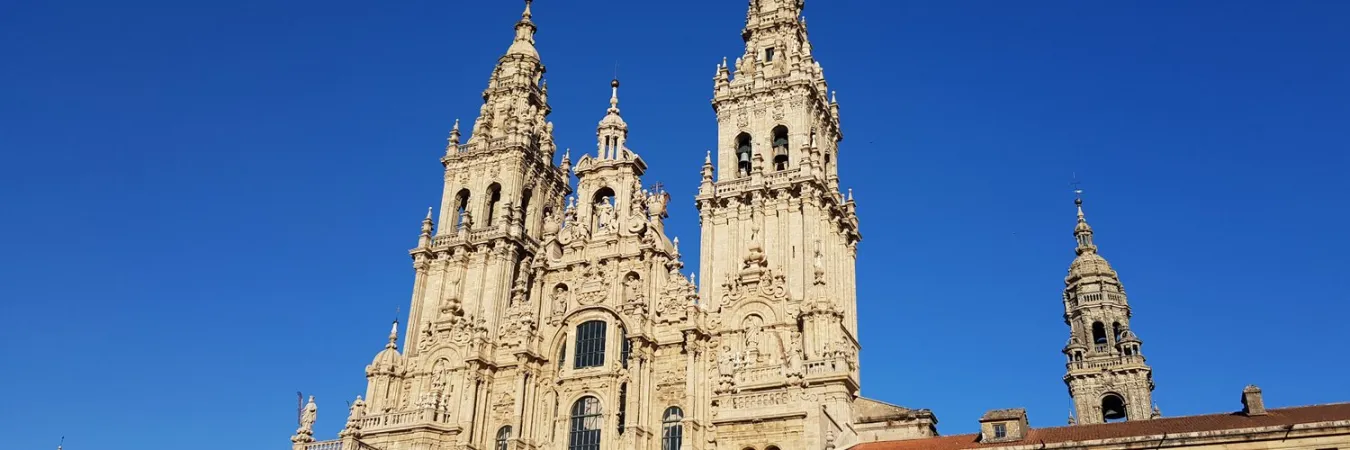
(325, 445)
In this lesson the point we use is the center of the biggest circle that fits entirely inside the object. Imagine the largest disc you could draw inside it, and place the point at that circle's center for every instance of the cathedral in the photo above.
(548, 315)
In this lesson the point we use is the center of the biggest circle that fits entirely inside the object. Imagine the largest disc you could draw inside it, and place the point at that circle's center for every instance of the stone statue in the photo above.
(307, 418)
(726, 368)
(358, 411)
(559, 299)
(794, 354)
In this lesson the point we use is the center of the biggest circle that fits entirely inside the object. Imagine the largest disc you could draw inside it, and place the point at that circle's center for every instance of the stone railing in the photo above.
(761, 374)
(325, 445)
(404, 418)
(826, 366)
(1105, 363)
(482, 235)
(760, 400)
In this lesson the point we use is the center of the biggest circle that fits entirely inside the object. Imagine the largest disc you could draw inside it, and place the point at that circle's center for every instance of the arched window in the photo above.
(771, 447)
(1113, 408)
(1117, 331)
(780, 148)
(503, 435)
(1098, 333)
(590, 348)
(744, 154)
(672, 428)
(587, 419)
(461, 207)
(494, 198)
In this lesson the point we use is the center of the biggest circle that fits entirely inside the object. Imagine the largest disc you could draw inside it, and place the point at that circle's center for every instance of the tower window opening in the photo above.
(1113, 408)
(1098, 333)
(590, 351)
(587, 418)
(461, 207)
(744, 154)
(780, 148)
(494, 199)
(1117, 331)
(768, 54)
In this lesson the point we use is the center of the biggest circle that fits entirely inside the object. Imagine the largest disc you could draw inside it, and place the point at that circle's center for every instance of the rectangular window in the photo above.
(1000, 431)
(590, 347)
(768, 54)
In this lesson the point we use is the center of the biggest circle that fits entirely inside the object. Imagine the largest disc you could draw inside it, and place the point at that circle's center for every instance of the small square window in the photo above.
(768, 54)
(1000, 431)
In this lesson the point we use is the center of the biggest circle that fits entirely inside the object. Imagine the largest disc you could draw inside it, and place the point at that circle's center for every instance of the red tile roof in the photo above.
(1156, 427)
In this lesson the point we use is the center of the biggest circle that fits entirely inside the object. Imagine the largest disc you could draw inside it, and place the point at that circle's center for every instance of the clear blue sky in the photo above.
(207, 206)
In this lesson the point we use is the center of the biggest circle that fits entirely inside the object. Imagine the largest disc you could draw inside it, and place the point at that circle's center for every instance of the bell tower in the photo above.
(778, 245)
(1108, 377)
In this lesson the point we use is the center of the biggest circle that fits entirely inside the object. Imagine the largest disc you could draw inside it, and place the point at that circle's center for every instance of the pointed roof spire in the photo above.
(524, 43)
(393, 336)
(1083, 232)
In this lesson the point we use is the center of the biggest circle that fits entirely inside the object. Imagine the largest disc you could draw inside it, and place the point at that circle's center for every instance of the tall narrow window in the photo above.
(461, 208)
(562, 352)
(780, 148)
(768, 54)
(586, 422)
(590, 348)
(627, 349)
(672, 428)
(525, 208)
(503, 435)
(494, 199)
(623, 405)
(744, 154)
(1117, 331)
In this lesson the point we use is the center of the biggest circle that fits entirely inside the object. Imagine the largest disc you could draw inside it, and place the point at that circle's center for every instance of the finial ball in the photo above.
(614, 83)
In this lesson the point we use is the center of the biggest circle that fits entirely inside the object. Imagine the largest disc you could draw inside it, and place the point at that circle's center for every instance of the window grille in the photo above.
(503, 435)
(590, 349)
(672, 428)
(587, 419)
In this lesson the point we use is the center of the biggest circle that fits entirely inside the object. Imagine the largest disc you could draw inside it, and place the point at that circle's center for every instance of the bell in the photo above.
(745, 156)
(1113, 414)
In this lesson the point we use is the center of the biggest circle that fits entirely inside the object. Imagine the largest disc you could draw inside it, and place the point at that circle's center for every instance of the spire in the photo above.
(524, 43)
(393, 337)
(613, 131)
(1083, 232)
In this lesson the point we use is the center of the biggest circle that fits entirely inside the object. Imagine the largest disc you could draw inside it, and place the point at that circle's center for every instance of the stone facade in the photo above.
(548, 315)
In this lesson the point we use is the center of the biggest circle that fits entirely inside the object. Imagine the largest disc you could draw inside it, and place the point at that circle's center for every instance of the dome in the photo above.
(388, 359)
(1088, 264)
